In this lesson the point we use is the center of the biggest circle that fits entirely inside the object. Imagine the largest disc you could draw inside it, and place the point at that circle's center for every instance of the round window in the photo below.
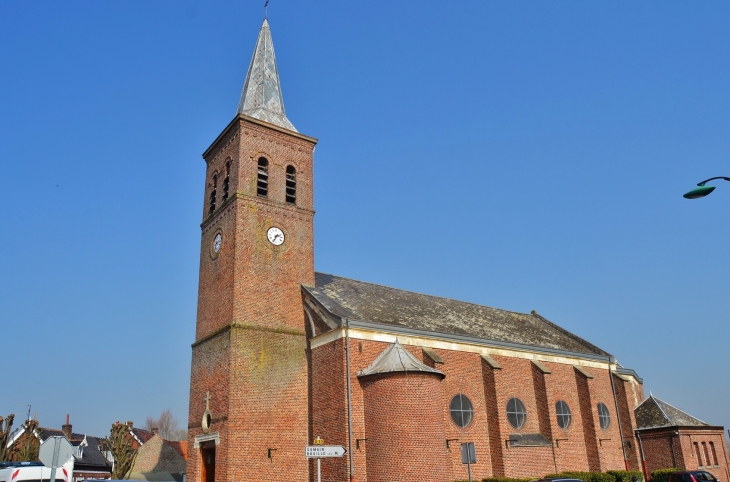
(462, 411)
(516, 413)
(603, 416)
(564, 415)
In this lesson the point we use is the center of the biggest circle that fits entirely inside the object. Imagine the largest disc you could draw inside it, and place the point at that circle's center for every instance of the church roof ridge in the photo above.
(425, 294)
(261, 97)
(365, 302)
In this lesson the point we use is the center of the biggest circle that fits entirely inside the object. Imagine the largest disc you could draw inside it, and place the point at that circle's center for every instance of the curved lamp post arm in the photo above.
(701, 190)
(712, 179)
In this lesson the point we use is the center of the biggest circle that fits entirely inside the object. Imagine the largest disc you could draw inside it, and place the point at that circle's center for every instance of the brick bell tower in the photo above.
(248, 416)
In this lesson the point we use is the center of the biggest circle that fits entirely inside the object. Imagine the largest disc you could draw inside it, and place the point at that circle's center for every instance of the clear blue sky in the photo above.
(518, 155)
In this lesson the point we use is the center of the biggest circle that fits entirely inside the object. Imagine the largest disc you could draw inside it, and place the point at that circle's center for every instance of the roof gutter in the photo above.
(349, 398)
(369, 325)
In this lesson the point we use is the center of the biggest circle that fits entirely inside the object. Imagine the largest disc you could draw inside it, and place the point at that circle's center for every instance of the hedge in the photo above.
(662, 475)
(503, 479)
(584, 476)
(626, 475)
(507, 479)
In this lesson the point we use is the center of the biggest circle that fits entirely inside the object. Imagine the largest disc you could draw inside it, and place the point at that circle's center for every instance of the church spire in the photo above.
(261, 97)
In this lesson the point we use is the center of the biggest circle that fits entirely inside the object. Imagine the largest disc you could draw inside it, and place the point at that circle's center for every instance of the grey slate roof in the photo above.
(92, 458)
(654, 413)
(357, 300)
(261, 97)
(395, 359)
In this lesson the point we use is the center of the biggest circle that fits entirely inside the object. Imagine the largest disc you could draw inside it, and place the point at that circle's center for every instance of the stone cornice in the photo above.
(249, 326)
(284, 133)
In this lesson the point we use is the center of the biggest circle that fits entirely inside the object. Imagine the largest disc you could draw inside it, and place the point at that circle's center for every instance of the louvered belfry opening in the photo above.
(262, 184)
(227, 182)
(291, 185)
(213, 194)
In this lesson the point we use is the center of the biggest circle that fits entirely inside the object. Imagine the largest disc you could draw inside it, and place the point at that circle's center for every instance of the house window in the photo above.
(714, 453)
(461, 409)
(699, 455)
(604, 417)
(262, 184)
(564, 415)
(227, 181)
(516, 413)
(291, 185)
(213, 194)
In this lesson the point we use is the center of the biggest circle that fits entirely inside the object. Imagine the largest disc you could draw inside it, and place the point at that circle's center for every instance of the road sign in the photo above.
(318, 451)
(468, 453)
(55, 452)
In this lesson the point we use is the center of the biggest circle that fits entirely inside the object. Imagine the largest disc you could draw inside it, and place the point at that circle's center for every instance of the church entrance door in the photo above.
(208, 456)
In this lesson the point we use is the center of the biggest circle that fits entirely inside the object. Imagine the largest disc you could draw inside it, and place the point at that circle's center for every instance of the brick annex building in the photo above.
(283, 354)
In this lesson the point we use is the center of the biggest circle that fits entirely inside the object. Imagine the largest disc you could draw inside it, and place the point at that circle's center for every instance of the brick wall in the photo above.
(404, 427)
(581, 446)
(658, 445)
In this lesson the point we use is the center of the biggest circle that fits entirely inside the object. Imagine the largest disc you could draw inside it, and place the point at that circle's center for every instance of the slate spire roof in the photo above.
(655, 413)
(261, 97)
(394, 359)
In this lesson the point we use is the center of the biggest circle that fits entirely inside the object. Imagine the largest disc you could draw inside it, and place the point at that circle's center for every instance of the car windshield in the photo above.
(705, 476)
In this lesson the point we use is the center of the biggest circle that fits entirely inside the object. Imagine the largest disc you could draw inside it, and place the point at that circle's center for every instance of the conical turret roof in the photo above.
(261, 97)
(394, 359)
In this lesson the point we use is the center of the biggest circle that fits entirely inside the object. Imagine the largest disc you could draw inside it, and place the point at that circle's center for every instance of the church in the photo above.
(284, 355)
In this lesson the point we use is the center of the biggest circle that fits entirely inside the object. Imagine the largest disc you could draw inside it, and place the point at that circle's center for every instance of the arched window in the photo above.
(211, 208)
(603, 416)
(699, 455)
(714, 452)
(262, 184)
(461, 409)
(564, 415)
(291, 185)
(516, 413)
(227, 181)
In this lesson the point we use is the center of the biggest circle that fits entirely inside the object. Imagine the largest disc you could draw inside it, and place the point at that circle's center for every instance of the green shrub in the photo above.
(662, 475)
(626, 475)
(507, 479)
(585, 476)
(503, 479)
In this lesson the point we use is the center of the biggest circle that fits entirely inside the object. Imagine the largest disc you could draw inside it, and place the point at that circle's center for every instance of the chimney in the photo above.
(66, 429)
(155, 430)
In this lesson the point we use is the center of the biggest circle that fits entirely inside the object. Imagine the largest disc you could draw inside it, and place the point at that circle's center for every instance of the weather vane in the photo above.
(266, 9)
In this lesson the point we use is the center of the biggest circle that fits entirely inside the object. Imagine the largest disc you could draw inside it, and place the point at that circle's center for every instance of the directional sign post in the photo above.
(54, 453)
(468, 456)
(320, 451)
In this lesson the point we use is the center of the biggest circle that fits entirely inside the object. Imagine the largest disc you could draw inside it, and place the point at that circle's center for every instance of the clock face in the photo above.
(275, 235)
(217, 241)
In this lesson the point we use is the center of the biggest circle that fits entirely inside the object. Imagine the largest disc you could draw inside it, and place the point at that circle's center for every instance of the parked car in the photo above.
(693, 476)
(30, 472)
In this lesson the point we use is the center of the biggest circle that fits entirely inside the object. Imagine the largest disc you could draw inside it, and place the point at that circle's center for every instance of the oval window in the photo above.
(603, 416)
(564, 415)
(516, 413)
(461, 409)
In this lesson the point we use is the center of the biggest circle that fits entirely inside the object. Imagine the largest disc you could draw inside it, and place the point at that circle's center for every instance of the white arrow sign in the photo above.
(317, 451)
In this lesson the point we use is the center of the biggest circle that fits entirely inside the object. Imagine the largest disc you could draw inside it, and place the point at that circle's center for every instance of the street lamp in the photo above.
(701, 190)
